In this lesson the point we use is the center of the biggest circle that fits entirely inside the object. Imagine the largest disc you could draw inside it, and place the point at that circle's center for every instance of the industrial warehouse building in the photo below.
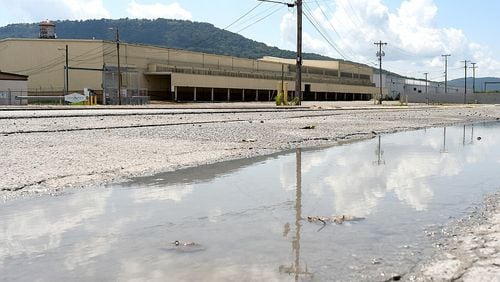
(173, 75)
(12, 85)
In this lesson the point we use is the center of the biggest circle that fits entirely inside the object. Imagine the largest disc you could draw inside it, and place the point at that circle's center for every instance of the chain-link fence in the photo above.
(130, 93)
(19, 97)
(8, 97)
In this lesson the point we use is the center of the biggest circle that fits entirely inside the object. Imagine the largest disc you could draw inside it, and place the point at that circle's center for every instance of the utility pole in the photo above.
(117, 38)
(66, 85)
(446, 72)
(474, 77)
(66, 70)
(119, 67)
(380, 54)
(465, 82)
(426, 93)
(298, 77)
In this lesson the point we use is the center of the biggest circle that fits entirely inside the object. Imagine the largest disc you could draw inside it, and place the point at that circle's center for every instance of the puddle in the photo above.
(249, 218)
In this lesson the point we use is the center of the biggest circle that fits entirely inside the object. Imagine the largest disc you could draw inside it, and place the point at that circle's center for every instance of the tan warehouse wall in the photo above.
(192, 80)
(43, 61)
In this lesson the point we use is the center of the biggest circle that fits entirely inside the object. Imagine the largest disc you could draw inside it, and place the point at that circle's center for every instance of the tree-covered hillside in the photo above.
(176, 34)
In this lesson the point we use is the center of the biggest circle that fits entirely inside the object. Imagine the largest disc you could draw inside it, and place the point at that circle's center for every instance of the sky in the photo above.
(417, 32)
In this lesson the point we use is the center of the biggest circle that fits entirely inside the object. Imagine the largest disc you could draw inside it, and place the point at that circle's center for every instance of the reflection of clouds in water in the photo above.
(408, 176)
(41, 228)
(135, 269)
(357, 188)
(170, 193)
(214, 214)
(84, 252)
(358, 184)
(288, 169)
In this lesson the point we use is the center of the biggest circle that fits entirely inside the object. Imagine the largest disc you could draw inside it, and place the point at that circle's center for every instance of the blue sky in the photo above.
(417, 31)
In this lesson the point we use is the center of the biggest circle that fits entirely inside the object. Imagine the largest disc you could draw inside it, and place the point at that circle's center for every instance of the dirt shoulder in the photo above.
(470, 251)
(46, 151)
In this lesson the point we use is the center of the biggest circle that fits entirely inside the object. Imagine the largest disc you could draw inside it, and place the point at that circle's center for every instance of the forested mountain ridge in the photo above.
(177, 34)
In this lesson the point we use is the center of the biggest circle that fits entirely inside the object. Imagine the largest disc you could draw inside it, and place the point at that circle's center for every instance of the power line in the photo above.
(244, 15)
(261, 19)
(329, 23)
(323, 34)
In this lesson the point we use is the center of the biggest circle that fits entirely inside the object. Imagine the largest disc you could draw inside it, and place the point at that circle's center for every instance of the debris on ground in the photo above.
(249, 140)
(184, 244)
(184, 247)
(309, 127)
(337, 219)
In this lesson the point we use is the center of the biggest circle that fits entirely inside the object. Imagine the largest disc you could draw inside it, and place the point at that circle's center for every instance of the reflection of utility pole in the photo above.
(463, 138)
(379, 152)
(471, 135)
(443, 150)
(295, 267)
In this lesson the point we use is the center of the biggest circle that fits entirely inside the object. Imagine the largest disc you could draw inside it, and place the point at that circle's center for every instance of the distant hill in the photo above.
(479, 83)
(177, 34)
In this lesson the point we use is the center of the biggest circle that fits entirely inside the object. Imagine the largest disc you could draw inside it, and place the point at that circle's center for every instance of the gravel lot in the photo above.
(46, 151)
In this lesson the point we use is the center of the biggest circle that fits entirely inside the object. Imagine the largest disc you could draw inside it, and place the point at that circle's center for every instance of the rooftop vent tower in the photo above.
(47, 30)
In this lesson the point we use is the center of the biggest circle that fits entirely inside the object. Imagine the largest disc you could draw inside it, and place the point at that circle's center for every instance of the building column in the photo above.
(175, 93)
(243, 95)
(194, 94)
(257, 95)
(229, 94)
(212, 95)
(315, 96)
(270, 94)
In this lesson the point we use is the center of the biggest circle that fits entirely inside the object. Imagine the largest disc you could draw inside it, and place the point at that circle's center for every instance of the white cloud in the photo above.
(31, 11)
(415, 40)
(158, 10)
